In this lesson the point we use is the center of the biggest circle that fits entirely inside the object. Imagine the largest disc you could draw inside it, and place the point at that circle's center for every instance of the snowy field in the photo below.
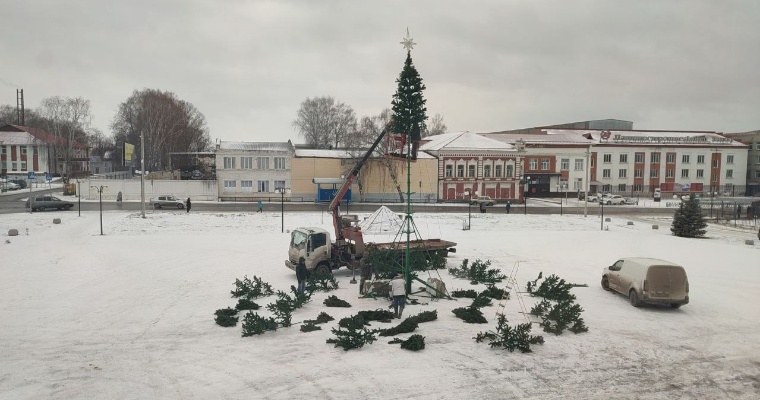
(129, 315)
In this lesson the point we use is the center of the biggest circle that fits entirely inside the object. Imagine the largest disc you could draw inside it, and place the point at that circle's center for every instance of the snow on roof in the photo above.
(616, 137)
(559, 138)
(255, 146)
(383, 220)
(463, 141)
(343, 153)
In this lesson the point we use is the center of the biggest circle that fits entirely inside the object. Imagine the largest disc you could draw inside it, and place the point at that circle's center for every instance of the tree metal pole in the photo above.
(142, 173)
(407, 271)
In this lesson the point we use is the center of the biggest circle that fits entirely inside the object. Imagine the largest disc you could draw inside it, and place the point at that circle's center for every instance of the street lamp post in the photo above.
(601, 203)
(79, 197)
(282, 192)
(469, 208)
(525, 197)
(100, 192)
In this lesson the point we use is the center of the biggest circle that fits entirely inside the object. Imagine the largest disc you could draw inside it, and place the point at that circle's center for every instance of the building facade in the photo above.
(752, 140)
(250, 171)
(24, 149)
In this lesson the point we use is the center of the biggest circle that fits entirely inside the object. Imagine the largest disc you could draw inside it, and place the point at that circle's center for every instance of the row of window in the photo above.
(498, 171)
(670, 158)
(655, 173)
(247, 162)
(247, 186)
(14, 165)
(564, 164)
(4, 150)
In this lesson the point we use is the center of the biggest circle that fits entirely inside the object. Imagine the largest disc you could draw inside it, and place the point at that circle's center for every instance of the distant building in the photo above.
(752, 140)
(249, 171)
(597, 124)
(24, 149)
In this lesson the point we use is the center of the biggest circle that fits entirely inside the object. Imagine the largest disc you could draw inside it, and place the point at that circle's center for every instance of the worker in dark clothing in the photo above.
(367, 272)
(188, 205)
(482, 208)
(301, 274)
(509, 205)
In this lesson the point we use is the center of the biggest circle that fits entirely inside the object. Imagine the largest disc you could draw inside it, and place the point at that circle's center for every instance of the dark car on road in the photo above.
(46, 202)
(20, 182)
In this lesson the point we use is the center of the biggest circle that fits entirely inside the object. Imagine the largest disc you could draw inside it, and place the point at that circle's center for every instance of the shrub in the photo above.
(495, 293)
(376, 315)
(320, 282)
(310, 327)
(284, 306)
(425, 316)
(226, 317)
(481, 301)
(470, 315)
(406, 326)
(470, 294)
(478, 272)
(414, 343)
(251, 289)
(226, 311)
(351, 333)
(688, 220)
(245, 304)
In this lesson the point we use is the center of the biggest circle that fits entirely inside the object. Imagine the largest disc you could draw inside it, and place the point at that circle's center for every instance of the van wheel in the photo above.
(634, 298)
(605, 283)
(675, 305)
(323, 269)
(42, 208)
(180, 206)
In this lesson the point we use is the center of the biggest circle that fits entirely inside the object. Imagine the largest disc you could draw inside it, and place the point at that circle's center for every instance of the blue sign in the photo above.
(48, 176)
(31, 175)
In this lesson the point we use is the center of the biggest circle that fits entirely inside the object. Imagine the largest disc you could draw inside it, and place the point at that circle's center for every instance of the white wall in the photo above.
(130, 189)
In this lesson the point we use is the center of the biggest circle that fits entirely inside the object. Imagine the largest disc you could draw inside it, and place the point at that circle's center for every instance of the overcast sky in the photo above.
(488, 65)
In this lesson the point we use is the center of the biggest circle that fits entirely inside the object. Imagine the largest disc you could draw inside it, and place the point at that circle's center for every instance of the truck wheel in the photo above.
(675, 305)
(180, 206)
(634, 298)
(605, 283)
(323, 268)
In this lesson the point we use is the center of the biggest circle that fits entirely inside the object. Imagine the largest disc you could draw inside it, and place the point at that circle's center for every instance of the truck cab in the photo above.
(314, 245)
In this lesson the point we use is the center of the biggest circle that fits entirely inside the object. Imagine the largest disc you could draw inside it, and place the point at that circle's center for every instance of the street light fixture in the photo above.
(282, 192)
(469, 208)
(100, 192)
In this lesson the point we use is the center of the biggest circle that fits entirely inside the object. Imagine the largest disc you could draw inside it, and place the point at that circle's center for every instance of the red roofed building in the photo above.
(24, 149)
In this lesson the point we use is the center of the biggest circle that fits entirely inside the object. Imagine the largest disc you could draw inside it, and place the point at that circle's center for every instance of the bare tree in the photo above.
(67, 119)
(369, 129)
(323, 122)
(167, 123)
(436, 126)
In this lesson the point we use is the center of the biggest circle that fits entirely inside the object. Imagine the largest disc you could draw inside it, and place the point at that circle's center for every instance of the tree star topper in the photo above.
(408, 43)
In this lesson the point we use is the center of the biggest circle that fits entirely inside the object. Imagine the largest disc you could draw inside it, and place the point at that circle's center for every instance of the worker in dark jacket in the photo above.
(301, 274)
(188, 205)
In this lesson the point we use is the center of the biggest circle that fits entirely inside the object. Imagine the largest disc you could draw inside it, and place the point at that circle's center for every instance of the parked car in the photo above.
(613, 199)
(167, 201)
(8, 185)
(20, 182)
(648, 280)
(482, 199)
(47, 202)
(632, 200)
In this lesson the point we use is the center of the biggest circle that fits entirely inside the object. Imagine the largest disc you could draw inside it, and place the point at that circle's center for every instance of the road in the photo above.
(14, 203)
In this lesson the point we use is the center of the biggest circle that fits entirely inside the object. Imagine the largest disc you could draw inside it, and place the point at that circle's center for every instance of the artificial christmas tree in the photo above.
(408, 105)
(688, 220)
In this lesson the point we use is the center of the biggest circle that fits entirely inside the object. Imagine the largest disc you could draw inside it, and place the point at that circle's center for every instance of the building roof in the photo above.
(563, 138)
(38, 136)
(255, 146)
(617, 137)
(341, 153)
(740, 134)
(463, 141)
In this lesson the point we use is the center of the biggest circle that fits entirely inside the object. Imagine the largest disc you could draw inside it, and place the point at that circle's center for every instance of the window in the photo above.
(729, 159)
(715, 163)
(486, 171)
(263, 186)
(701, 159)
(262, 162)
(593, 162)
(622, 173)
(533, 164)
(229, 186)
(608, 158)
(471, 171)
(246, 186)
(655, 159)
(639, 158)
(757, 174)
(606, 173)
(700, 173)
(544, 164)
(279, 163)
(757, 146)
(460, 171)
(3, 164)
(578, 184)
(246, 162)
(670, 158)
(579, 164)
(638, 188)
(621, 187)
(13, 166)
(685, 158)
(729, 173)
(684, 173)
(758, 160)
(498, 170)
(229, 162)
(23, 165)
(449, 171)
(669, 173)
(564, 164)
(606, 188)
(279, 184)
(624, 158)
(4, 150)
(34, 150)
(638, 173)
(510, 171)
(23, 151)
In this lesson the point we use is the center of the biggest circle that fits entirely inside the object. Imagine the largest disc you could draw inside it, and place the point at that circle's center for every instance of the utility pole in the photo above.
(142, 174)
(588, 178)
(20, 106)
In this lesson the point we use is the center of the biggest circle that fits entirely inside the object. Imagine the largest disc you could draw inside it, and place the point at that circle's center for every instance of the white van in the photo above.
(648, 280)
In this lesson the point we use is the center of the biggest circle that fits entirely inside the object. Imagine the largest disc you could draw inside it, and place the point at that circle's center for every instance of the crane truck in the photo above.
(323, 255)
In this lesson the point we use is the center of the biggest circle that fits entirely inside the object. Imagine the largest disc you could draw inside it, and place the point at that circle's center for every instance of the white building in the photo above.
(249, 171)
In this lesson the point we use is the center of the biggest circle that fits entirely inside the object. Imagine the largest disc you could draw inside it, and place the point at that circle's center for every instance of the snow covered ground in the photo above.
(130, 314)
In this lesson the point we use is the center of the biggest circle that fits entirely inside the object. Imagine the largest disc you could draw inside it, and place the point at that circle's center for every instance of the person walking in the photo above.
(188, 205)
(261, 207)
(509, 205)
(398, 294)
(367, 272)
(301, 274)
(482, 208)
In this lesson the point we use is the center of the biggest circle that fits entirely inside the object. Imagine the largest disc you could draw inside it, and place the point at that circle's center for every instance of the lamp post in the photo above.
(100, 192)
(282, 192)
(559, 187)
(79, 197)
(469, 208)
(601, 203)
(525, 197)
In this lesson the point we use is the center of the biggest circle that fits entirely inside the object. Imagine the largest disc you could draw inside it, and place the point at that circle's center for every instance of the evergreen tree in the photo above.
(409, 112)
(688, 220)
